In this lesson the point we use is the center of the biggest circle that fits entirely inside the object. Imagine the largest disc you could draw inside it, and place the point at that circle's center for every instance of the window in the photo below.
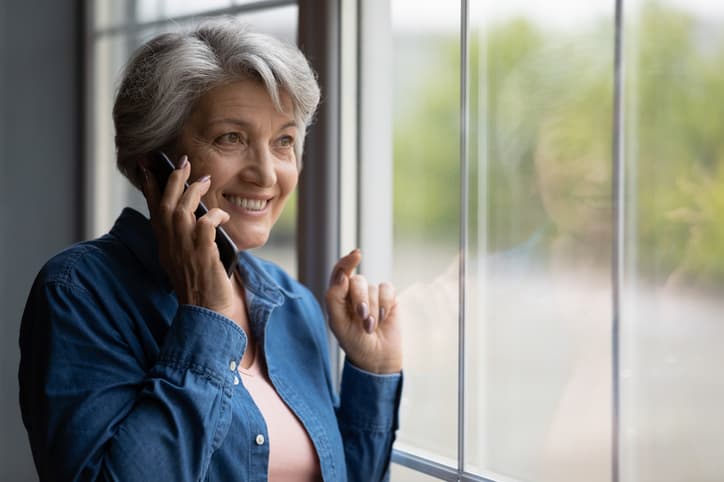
(115, 29)
(544, 186)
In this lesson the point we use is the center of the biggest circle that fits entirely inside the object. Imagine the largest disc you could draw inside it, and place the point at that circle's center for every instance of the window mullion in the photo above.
(464, 173)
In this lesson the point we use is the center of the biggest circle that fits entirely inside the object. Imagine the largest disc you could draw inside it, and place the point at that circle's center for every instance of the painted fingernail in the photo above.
(363, 310)
(370, 324)
(206, 178)
(382, 313)
(183, 161)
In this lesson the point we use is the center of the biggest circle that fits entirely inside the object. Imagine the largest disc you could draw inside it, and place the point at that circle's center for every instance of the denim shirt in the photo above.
(120, 382)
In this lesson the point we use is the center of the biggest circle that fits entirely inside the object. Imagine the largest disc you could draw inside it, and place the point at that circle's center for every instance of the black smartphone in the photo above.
(162, 167)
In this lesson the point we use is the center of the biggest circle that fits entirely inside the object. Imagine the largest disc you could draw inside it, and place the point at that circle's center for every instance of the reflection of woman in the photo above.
(538, 311)
(568, 277)
(143, 360)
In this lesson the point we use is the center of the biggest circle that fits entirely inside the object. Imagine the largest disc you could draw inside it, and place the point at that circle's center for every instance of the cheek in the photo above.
(287, 179)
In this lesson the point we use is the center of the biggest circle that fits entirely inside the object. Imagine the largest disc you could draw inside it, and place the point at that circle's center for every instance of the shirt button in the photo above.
(260, 439)
(236, 380)
(232, 365)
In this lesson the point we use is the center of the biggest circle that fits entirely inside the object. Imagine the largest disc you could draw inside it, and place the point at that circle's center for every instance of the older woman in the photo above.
(143, 360)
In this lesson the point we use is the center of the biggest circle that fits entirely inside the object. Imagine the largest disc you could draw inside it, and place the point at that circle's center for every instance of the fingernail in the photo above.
(370, 324)
(144, 172)
(339, 279)
(363, 311)
(183, 161)
(382, 313)
(353, 251)
(206, 178)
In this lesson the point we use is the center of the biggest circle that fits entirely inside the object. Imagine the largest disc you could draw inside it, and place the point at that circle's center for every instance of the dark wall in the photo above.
(40, 147)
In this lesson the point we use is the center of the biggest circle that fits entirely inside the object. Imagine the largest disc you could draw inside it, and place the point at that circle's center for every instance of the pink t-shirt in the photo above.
(292, 457)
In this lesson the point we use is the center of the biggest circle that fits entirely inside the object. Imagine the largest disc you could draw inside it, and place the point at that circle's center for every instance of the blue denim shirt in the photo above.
(119, 382)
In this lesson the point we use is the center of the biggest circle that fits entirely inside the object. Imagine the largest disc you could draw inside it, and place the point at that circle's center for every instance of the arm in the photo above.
(364, 319)
(95, 411)
(368, 420)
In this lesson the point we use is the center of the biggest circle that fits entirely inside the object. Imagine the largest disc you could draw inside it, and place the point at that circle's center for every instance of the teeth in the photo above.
(250, 204)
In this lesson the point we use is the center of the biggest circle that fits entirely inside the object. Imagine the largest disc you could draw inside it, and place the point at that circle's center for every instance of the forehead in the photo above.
(245, 97)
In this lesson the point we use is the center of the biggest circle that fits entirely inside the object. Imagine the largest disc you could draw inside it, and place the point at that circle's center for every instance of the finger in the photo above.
(358, 297)
(387, 300)
(190, 199)
(336, 296)
(174, 189)
(370, 323)
(205, 230)
(345, 266)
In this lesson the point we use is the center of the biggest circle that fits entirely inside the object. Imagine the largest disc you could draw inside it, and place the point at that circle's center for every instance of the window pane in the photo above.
(426, 219)
(539, 293)
(108, 13)
(671, 384)
(400, 473)
(149, 10)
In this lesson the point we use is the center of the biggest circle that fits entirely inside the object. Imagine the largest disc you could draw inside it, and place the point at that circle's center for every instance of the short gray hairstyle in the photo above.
(166, 76)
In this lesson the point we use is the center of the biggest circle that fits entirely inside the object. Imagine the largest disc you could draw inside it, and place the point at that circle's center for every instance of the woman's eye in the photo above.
(229, 138)
(286, 141)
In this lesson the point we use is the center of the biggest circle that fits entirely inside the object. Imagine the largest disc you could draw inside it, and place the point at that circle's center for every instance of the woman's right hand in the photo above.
(186, 246)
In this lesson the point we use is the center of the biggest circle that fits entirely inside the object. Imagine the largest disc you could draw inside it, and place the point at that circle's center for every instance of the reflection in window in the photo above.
(426, 219)
(672, 331)
(539, 258)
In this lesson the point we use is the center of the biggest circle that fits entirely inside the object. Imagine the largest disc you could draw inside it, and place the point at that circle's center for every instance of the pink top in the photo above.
(292, 456)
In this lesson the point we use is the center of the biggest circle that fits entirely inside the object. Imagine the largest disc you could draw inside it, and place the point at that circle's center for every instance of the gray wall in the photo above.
(40, 106)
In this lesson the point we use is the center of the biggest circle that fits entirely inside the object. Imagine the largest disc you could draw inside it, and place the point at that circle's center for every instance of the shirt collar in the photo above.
(134, 230)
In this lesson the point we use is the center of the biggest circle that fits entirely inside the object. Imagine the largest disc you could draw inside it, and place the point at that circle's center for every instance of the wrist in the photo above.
(383, 367)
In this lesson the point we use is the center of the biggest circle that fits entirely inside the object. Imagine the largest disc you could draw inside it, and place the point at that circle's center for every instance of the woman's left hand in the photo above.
(364, 319)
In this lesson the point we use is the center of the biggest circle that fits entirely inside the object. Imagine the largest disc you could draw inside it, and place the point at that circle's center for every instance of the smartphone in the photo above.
(162, 167)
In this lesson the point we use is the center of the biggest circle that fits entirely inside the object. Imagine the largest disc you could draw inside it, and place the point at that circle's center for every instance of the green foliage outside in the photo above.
(525, 79)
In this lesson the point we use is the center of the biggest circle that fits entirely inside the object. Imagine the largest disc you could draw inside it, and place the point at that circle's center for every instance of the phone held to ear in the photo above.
(162, 167)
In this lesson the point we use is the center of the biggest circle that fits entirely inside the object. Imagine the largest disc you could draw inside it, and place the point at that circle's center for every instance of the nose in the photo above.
(259, 167)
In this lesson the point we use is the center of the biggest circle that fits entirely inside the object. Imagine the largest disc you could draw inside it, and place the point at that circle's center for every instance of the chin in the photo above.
(250, 242)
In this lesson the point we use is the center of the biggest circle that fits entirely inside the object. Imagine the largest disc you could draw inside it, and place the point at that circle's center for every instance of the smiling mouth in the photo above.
(246, 203)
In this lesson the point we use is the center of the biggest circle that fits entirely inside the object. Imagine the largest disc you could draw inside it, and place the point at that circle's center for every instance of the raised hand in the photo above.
(364, 319)
(186, 246)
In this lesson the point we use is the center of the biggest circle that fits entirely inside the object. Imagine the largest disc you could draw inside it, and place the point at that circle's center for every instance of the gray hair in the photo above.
(167, 75)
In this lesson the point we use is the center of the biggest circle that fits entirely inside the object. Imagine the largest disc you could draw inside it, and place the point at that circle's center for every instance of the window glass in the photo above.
(538, 312)
(400, 473)
(110, 191)
(149, 10)
(426, 211)
(671, 332)
(108, 13)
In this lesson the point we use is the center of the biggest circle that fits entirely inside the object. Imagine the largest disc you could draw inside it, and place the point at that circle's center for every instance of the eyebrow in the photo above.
(243, 123)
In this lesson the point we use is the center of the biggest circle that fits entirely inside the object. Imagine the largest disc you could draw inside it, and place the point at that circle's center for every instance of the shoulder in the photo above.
(87, 264)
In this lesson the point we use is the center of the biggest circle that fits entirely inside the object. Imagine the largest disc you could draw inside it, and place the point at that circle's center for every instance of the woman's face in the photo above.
(235, 135)
(573, 167)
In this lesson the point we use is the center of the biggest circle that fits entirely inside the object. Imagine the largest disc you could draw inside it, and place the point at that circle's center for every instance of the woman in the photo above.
(143, 360)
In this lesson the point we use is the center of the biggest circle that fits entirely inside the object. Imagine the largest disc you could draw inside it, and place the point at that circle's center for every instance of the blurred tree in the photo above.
(520, 74)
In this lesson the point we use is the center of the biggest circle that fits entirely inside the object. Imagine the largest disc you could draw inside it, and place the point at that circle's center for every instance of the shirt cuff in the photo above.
(204, 341)
(369, 401)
